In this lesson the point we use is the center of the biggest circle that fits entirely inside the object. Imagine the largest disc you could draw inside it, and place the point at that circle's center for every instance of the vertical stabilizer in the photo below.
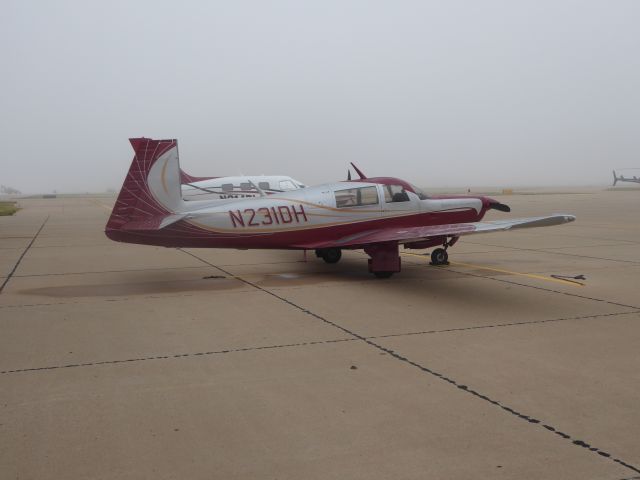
(151, 190)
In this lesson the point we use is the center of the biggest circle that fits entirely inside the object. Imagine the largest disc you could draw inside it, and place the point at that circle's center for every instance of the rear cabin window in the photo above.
(395, 193)
(227, 187)
(356, 197)
(246, 187)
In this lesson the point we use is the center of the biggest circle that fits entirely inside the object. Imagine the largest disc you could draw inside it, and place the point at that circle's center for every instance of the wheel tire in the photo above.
(439, 257)
(332, 255)
(383, 274)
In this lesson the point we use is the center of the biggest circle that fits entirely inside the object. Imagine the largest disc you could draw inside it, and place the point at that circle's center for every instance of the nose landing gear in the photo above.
(439, 257)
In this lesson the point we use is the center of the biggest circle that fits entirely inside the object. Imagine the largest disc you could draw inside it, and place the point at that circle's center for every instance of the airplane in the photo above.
(375, 214)
(622, 178)
(210, 188)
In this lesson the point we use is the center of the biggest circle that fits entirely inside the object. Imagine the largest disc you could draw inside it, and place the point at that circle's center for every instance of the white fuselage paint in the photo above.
(238, 187)
(311, 207)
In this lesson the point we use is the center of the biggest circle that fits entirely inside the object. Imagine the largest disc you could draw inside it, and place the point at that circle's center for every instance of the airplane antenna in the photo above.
(358, 171)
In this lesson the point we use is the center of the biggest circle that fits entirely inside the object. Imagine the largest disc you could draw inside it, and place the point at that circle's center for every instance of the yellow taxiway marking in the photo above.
(500, 270)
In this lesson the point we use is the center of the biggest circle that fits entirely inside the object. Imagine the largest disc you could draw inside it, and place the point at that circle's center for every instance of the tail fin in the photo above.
(615, 179)
(151, 195)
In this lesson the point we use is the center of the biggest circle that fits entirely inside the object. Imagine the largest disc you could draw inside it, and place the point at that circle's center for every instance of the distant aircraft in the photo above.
(374, 214)
(622, 178)
(210, 188)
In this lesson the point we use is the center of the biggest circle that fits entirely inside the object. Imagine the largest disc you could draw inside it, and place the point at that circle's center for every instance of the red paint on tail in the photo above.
(136, 203)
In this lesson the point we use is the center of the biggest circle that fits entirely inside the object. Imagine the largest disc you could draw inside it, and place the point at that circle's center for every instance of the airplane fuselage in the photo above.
(293, 219)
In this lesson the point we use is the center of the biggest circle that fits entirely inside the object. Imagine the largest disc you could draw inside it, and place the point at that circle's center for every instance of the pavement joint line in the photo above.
(559, 253)
(511, 324)
(120, 299)
(15, 267)
(177, 355)
(317, 342)
(142, 269)
(618, 244)
(511, 282)
(501, 270)
(582, 237)
(424, 369)
(104, 271)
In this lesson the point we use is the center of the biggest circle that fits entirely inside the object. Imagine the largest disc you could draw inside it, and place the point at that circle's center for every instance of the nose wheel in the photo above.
(439, 257)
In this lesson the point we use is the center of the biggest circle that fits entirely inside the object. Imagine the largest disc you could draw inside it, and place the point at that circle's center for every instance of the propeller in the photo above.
(358, 171)
(348, 175)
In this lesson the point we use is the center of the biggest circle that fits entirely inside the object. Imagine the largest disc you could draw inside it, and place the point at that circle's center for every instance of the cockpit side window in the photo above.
(287, 185)
(264, 185)
(227, 187)
(395, 193)
(355, 197)
(420, 193)
(246, 187)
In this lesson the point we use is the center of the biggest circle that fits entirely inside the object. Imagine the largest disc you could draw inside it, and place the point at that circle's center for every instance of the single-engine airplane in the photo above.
(374, 214)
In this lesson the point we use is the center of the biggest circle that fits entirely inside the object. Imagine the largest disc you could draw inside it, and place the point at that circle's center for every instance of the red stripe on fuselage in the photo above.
(184, 234)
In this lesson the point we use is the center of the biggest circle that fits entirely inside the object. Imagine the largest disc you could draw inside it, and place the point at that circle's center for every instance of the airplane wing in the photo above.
(416, 234)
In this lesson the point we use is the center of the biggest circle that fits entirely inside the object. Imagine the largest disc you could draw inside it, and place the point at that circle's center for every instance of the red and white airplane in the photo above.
(374, 214)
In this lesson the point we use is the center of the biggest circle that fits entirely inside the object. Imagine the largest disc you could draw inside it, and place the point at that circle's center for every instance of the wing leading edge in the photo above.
(416, 234)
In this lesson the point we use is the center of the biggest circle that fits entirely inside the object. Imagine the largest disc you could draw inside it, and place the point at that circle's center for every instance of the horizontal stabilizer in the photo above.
(153, 223)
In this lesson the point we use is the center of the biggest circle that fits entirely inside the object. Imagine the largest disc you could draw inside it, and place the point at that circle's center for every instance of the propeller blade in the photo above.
(348, 175)
(358, 171)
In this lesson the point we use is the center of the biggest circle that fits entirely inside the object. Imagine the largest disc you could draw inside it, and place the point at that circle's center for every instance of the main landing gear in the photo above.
(329, 255)
(385, 259)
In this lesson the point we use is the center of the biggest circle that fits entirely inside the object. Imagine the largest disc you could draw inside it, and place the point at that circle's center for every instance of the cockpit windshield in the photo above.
(421, 194)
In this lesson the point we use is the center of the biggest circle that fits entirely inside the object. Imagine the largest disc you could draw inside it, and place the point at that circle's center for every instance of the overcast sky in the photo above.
(439, 93)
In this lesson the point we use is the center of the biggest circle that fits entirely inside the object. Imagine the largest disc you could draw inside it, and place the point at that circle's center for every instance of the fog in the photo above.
(442, 94)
